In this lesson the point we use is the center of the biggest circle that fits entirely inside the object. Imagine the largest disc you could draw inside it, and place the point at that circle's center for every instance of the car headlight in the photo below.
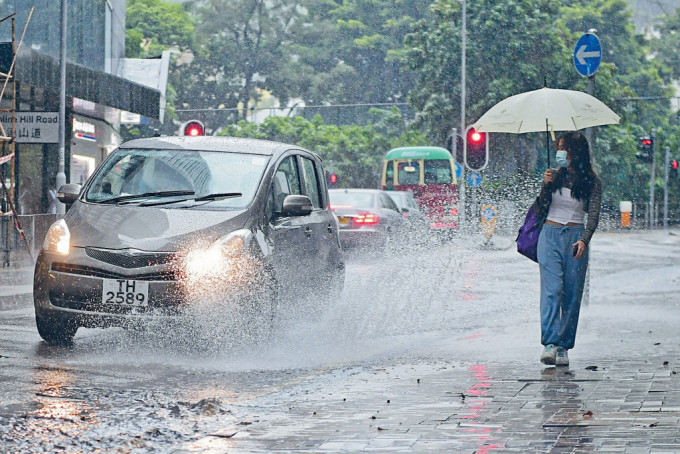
(219, 255)
(58, 238)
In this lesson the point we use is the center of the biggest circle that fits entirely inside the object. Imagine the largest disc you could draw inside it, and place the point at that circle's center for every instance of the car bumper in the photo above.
(72, 288)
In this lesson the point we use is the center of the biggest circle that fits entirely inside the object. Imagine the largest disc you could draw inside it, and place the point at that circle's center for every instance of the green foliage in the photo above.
(349, 52)
(355, 152)
(239, 50)
(667, 46)
(154, 26)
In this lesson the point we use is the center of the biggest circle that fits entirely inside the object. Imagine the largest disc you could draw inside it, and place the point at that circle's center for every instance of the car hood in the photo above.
(148, 228)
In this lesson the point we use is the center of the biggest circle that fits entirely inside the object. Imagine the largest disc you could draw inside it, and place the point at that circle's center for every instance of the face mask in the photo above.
(561, 158)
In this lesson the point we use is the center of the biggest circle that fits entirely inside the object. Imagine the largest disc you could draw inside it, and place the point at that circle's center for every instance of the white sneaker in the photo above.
(561, 358)
(548, 355)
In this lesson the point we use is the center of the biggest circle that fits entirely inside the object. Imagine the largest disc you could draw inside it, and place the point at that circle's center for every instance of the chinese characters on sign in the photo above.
(33, 127)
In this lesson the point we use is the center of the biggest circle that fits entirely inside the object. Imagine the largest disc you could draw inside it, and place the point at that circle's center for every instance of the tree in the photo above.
(356, 151)
(349, 52)
(240, 44)
(153, 26)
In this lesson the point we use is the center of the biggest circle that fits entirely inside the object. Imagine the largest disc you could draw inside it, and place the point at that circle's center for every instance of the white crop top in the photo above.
(565, 209)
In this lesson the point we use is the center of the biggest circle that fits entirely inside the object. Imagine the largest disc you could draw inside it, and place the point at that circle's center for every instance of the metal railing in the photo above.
(13, 251)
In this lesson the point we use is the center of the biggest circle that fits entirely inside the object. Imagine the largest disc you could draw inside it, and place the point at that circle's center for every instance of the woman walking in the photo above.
(567, 196)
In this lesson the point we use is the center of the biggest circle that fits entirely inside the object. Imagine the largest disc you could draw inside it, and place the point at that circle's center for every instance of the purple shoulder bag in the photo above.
(527, 239)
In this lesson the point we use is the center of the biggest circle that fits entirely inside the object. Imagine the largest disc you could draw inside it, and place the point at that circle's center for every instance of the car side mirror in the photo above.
(68, 193)
(297, 205)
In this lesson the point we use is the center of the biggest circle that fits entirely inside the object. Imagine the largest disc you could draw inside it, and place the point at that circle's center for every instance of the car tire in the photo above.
(56, 331)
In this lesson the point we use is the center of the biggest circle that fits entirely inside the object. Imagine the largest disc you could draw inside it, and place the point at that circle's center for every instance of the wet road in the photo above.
(445, 308)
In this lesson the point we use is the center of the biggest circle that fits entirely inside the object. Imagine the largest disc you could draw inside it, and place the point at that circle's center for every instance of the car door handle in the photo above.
(288, 227)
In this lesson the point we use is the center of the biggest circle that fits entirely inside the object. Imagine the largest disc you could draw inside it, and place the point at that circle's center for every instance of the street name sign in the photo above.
(33, 127)
(587, 54)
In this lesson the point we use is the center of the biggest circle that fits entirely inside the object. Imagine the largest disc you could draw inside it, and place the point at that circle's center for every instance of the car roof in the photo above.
(418, 153)
(212, 143)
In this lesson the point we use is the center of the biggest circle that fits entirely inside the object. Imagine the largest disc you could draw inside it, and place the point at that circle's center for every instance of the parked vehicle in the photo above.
(166, 221)
(367, 217)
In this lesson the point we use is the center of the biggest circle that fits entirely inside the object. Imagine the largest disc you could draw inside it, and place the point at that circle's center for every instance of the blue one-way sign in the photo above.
(587, 54)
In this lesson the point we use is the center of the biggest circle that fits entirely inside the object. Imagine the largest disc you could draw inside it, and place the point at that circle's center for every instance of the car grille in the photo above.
(127, 259)
(168, 275)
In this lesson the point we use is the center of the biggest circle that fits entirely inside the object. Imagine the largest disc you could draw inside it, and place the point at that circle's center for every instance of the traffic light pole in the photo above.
(665, 188)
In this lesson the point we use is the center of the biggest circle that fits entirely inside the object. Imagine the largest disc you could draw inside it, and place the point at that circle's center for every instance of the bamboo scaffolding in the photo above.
(4, 138)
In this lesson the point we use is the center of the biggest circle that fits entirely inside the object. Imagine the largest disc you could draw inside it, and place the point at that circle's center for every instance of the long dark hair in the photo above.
(584, 175)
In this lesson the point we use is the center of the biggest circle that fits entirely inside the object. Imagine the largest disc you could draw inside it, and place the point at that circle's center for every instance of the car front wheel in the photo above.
(55, 332)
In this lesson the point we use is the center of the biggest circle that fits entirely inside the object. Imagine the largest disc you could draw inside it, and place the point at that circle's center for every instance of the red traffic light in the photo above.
(646, 141)
(476, 136)
(674, 165)
(334, 178)
(194, 128)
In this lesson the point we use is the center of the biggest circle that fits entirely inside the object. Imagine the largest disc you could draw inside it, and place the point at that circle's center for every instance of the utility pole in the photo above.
(61, 171)
(461, 185)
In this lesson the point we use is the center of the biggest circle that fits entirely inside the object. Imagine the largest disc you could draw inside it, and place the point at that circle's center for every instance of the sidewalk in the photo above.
(16, 287)
(618, 395)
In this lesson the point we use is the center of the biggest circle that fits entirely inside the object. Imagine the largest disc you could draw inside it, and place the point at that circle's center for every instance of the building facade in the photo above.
(96, 96)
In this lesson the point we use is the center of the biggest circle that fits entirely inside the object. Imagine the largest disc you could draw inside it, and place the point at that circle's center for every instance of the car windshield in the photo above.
(207, 178)
(348, 199)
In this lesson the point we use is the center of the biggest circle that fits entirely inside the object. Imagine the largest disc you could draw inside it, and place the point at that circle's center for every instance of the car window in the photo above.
(389, 174)
(409, 172)
(286, 182)
(438, 171)
(388, 203)
(311, 181)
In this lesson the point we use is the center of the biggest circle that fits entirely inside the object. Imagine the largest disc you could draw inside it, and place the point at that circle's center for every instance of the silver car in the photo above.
(367, 217)
(167, 221)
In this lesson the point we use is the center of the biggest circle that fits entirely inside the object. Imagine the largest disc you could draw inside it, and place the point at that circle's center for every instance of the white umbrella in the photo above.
(547, 109)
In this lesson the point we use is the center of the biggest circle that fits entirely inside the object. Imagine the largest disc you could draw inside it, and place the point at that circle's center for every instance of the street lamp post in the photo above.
(461, 184)
(61, 174)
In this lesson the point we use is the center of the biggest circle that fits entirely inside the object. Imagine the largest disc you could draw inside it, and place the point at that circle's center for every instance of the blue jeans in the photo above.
(562, 281)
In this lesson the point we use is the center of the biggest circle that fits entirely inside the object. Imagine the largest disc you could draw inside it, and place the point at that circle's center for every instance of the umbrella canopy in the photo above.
(546, 109)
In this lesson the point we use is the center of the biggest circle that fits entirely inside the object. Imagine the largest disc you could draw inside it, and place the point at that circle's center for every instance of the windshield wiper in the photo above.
(203, 198)
(218, 196)
(122, 198)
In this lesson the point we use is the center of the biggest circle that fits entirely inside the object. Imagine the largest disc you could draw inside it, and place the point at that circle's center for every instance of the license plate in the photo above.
(125, 292)
(343, 220)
